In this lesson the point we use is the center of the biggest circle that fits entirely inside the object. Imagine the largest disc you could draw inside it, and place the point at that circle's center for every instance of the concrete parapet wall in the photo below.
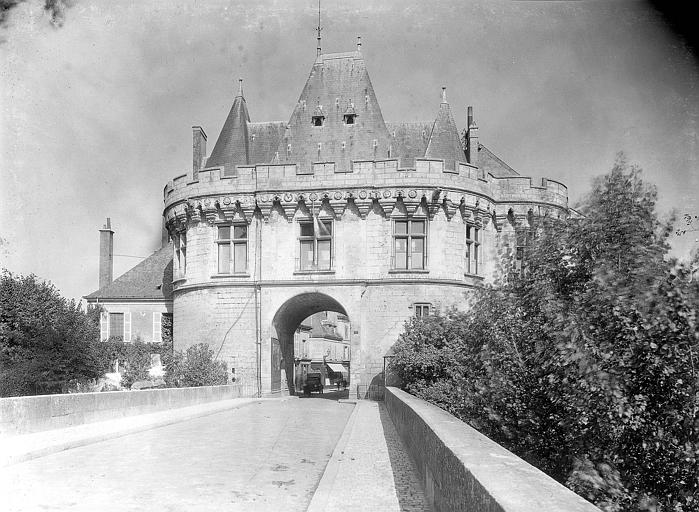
(28, 414)
(464, 470)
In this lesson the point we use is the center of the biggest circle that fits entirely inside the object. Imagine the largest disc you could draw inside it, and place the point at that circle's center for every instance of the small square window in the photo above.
(240, 231)
(307, 229)
(224, 232)
(422, 310)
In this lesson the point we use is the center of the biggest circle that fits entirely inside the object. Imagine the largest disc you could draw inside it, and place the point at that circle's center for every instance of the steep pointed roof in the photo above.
(336, 81)
(232, 147)
(150, 279)
(444, 139)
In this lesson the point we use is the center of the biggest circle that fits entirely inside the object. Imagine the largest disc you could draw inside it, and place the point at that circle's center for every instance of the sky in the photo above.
(97, 114)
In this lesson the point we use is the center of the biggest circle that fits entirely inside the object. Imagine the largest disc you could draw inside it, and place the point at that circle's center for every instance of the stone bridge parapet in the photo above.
(462, 469)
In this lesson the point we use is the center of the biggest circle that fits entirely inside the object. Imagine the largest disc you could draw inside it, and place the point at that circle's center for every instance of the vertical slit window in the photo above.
(473, 249)
(181, 253)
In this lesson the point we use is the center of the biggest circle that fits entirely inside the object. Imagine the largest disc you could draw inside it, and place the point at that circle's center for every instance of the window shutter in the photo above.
(104, 326)
(127, 326)
(157, 327)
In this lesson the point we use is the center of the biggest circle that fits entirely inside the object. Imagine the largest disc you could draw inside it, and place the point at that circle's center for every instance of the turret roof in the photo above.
(444, 139)
(232, 147)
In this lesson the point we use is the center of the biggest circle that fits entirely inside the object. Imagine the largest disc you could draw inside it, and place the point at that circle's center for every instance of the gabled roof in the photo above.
(150, 279)
(231, 147)
(492, 164)
(409, 141)
(336, 81)
(444, 140)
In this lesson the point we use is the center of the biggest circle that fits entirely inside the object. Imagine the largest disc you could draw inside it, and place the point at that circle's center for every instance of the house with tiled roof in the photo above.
(333, 210)
(134, 304)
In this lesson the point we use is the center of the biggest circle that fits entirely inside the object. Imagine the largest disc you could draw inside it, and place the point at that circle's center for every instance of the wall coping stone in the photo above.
(481, 474)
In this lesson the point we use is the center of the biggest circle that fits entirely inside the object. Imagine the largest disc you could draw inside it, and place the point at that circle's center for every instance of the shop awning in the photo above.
(336, 367)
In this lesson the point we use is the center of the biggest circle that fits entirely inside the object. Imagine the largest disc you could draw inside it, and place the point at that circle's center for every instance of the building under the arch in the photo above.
(335, 210)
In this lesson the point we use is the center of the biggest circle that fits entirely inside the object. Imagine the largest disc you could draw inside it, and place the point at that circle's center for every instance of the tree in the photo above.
(44, 338)
(585, 363)
(54, 8)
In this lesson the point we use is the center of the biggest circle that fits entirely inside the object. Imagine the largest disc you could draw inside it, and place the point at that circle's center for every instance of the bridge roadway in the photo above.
(281, 454)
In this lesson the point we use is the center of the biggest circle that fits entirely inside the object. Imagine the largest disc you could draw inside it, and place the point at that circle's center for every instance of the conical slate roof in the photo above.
(444, 140)
(232, 148)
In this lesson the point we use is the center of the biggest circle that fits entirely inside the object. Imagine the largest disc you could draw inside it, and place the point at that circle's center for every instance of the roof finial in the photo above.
(359, 43)
(444, 94)
(318, 29)
(240, 86)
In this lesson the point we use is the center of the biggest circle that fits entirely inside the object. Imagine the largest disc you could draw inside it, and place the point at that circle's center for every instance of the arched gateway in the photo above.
(337, 210)
(284, 324)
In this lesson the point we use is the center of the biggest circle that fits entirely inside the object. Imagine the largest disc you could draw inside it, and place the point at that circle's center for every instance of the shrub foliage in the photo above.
(584, 363)
(195, 367)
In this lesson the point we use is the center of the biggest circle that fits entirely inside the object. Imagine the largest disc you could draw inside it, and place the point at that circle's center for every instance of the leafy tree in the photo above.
(44, 338)
(585, 362)
(54, 8)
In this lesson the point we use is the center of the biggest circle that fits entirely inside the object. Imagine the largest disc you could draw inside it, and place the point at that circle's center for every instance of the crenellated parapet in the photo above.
(426, 189)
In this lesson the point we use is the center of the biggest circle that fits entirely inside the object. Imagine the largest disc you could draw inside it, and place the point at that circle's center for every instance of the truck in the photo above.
(314, 382)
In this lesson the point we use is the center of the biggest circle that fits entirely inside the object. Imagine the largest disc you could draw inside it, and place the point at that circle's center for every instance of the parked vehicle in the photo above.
(314, 382)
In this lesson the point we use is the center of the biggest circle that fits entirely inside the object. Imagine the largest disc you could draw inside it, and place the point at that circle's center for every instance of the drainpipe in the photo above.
(258, 291)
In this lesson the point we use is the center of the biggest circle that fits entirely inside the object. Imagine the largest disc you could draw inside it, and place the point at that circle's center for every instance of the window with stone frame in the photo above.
(315, 244)
(410, 244)
(232, 242)
(180, 243)
(473, 249)
(422, 309)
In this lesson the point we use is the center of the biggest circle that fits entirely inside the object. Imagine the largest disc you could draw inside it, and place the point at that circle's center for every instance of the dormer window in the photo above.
(350, 114)
(318, 117)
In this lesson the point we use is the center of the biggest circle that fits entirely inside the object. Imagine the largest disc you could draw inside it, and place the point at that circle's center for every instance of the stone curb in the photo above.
(325, 487)
(16, 449)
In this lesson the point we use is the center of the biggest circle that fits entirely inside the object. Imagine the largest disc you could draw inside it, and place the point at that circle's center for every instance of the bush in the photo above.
(195, 367)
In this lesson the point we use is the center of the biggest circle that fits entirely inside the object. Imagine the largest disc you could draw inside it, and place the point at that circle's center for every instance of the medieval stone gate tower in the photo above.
(336, 210)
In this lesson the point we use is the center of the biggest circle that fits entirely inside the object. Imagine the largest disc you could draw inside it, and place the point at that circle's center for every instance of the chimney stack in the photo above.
(106, 254)
(198, 150)
(164, 235)
(471, 139)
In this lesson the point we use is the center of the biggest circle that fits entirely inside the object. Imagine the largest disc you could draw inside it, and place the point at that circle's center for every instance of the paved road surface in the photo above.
(264, 456)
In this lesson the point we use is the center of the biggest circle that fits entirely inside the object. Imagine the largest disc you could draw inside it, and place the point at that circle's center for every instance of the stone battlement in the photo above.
(282, 179)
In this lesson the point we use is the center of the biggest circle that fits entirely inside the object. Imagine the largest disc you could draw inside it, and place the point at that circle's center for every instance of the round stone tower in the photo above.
(336, 210)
